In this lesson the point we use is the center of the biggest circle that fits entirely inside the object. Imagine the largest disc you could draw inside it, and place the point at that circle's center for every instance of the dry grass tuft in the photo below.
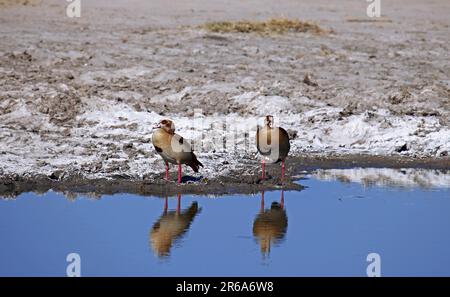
(271, 26)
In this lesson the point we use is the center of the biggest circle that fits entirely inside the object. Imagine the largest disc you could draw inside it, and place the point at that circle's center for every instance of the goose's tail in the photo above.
(195, 163)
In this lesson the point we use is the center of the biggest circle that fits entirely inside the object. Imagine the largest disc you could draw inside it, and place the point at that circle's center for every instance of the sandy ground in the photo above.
(79, 96)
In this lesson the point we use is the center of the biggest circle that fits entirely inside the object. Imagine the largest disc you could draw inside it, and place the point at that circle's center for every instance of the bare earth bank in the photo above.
(78, 97)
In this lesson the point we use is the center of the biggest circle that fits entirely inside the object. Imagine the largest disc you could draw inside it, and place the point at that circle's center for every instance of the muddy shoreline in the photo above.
(72, 186)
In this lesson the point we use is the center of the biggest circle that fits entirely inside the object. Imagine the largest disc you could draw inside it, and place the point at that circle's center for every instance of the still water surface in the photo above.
(327, 229)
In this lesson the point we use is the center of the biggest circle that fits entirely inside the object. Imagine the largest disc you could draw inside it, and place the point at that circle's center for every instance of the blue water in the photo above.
(331, 227)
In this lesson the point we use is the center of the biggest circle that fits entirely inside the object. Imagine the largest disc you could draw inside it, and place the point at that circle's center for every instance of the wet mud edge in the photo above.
(13, 185)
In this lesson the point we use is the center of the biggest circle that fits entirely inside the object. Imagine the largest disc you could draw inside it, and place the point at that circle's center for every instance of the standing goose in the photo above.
(173, 148)
(273, 144)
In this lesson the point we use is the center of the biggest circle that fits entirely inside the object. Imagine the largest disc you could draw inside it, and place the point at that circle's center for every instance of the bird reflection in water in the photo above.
(270, 225)
(171, 226)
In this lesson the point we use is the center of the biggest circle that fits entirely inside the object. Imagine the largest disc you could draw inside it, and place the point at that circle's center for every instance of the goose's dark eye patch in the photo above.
(164, 122)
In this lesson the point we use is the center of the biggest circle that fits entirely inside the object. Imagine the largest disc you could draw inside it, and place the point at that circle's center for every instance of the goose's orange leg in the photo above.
(179, 172)
(282, 169)
(167, 171)
(282, 199)
(263, 169)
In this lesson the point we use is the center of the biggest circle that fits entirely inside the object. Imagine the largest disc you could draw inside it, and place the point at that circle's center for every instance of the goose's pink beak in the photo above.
(156, 126)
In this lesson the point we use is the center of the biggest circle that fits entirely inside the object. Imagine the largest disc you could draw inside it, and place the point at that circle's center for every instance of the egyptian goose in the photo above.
(173, 148)
(270, 225)
(172, 225)
(273, 144)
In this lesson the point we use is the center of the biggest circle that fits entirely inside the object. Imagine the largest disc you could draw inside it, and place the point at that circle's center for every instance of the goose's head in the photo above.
(166, 125)
(268, 121)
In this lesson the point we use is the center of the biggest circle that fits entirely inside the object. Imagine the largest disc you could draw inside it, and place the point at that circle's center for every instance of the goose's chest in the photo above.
(161, 141)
